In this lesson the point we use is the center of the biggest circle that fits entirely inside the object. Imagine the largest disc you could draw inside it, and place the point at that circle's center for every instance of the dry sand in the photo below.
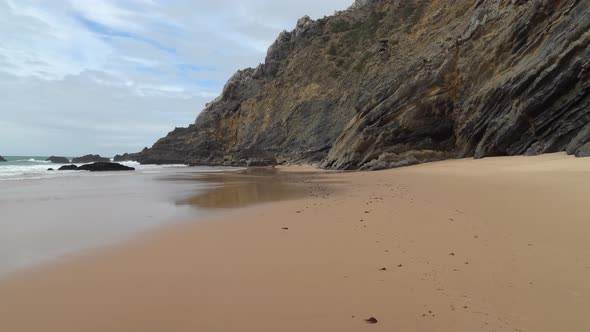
(501, 244)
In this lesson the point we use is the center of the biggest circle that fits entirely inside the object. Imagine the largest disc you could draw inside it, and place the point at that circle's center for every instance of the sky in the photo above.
(113, 76)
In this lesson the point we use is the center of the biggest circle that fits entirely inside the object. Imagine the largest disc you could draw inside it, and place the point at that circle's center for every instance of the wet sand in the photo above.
(54, 218)
(501, 244)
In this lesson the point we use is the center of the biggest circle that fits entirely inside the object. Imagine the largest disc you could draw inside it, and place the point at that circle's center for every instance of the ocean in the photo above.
(48, 215)
(26, 167)
(33, 168)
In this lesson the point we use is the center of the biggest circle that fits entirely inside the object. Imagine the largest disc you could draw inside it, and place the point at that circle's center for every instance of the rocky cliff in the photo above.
(389, 83)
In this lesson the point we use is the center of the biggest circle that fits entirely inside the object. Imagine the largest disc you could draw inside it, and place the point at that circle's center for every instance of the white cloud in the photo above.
(74, 73)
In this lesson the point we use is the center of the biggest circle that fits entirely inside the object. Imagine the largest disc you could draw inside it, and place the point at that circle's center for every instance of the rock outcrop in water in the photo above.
(58, 160)
(68, 168)
(91, 158)
(105, 167)
(97, 167)
(2, 160)
(391, 83)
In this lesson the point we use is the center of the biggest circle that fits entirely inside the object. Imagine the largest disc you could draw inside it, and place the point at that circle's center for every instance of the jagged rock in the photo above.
(579, 141)
(2, 160)
(105, 167)
(58, 160)
(261, 162)
(68, 168)
(454, 79)
(304, 24)
(584, 151)
(91, 158)
(123, 157)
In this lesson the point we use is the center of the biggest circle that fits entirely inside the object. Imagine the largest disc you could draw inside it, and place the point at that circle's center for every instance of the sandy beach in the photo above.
(499, 244)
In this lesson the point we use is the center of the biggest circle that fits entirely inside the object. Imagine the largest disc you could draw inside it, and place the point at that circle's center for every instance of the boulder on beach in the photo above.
(58, 160)
(90, 158)
(2, 159)
(68, 168)
(50, 169)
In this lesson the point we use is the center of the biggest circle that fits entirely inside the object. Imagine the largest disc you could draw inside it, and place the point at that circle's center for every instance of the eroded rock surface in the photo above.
(394, 83)
(58, 160)
(91, 158)
(97, 167)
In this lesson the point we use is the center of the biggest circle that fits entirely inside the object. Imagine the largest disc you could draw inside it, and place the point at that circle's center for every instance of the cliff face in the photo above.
(393, 83)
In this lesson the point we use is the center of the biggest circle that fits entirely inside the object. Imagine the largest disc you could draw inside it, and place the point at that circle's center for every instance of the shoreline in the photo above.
(495, 244)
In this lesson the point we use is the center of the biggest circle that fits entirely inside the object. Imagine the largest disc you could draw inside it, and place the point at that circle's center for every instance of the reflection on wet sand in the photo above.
(253, 186)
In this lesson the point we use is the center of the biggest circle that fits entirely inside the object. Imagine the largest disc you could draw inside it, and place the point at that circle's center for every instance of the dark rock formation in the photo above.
(371, 320)
(105, 167)
(261, 162)
(91, 158)
(2, 160)
(50, 169)
(97, 167)
(124, 157)
(389, 83)
(584, 151)
(68, 168)
(581, 143)
(58, 160)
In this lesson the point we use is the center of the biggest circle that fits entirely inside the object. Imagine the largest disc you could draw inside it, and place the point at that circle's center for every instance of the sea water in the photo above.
(47, 215)
(25, 167)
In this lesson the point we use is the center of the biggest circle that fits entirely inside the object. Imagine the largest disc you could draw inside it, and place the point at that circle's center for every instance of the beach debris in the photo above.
(371, 320)
(400, 265)
(285, 228)
(383, 269)
(452, 254)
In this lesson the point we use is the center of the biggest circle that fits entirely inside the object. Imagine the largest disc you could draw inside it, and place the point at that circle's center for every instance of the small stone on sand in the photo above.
(371, 320)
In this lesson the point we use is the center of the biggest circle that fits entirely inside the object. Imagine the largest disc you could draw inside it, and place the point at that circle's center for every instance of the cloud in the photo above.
(76, 76)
